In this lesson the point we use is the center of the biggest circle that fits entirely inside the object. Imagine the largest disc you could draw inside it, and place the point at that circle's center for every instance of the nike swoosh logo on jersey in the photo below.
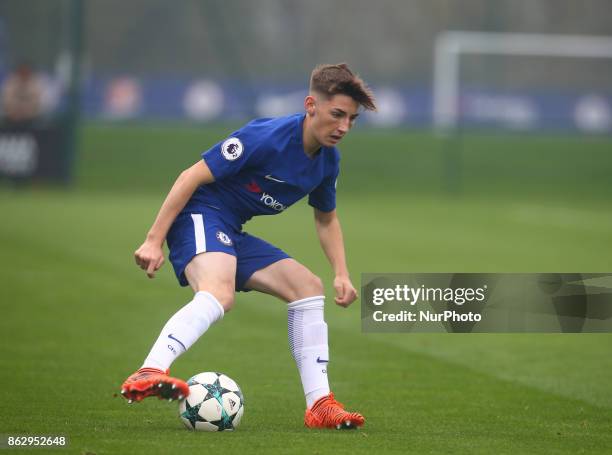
(320, 360)
(269, 177)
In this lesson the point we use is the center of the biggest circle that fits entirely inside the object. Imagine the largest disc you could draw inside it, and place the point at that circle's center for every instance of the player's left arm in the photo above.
(332, 242)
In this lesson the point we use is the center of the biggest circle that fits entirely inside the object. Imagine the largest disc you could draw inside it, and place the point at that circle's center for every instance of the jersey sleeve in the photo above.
(323, 197)
(231, 155)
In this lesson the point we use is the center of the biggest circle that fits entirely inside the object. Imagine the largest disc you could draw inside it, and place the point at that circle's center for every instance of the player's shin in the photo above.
(183, 330)
(308, 342)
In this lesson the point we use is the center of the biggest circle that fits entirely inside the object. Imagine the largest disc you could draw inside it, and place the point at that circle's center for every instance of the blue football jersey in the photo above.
(262, 169)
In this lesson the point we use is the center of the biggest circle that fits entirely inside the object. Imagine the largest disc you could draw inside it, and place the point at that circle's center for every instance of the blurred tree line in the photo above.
(391, 41)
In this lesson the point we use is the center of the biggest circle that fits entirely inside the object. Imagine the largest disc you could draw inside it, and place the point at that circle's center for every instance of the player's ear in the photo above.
(309, 105)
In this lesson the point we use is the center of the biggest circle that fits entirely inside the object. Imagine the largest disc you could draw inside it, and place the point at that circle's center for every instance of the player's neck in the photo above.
(310, 143)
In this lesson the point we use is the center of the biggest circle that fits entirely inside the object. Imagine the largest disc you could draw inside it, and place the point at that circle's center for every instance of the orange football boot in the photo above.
(147, 382)
(326, 412)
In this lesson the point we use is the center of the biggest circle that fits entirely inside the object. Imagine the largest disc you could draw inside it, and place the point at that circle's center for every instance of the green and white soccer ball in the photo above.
(215, 403)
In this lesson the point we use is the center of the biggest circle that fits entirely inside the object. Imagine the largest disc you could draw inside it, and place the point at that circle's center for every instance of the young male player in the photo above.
(261, 169)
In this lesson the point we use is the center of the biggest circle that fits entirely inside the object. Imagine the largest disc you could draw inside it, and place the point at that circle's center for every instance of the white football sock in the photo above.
(308, 343)
(183, 329)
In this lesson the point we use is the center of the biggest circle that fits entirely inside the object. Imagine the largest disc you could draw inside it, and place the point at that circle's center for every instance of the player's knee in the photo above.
(316, 285)
(223, 294)
(225, 298)
(309, 286)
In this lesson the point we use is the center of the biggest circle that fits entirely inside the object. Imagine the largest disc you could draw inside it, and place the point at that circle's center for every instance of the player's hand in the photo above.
(149, 257)
(345, 291)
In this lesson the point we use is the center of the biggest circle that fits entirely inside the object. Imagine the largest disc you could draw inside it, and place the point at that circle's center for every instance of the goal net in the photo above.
(522, 82)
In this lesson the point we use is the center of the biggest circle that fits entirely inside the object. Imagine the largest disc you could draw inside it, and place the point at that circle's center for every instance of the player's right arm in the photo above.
(150, 255)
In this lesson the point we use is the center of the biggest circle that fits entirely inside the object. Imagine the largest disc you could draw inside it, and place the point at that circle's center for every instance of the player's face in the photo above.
(332, 119)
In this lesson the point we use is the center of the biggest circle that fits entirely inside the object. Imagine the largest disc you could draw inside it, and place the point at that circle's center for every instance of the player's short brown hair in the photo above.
(330, 80)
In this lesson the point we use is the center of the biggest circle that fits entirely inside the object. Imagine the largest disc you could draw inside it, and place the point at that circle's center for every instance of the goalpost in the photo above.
(451, 45)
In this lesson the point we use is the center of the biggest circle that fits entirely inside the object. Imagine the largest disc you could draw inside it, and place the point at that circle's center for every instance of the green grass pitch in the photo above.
(78, 316)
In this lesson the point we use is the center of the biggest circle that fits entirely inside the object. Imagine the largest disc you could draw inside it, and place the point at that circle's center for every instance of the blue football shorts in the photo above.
(193, 233)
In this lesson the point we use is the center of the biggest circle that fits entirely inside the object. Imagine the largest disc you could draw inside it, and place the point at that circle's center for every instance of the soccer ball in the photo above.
(215, 403)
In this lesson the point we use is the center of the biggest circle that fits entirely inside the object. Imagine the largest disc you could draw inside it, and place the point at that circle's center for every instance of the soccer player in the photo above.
(261, 169)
